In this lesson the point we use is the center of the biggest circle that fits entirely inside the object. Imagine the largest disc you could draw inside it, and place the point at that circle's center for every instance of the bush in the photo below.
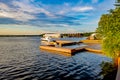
(108, 27)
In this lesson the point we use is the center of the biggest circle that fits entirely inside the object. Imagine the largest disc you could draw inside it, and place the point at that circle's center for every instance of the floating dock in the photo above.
(59, 49)
(62, 50)
(68, 51)
(62, 43)
(93, 50)
(91, 41)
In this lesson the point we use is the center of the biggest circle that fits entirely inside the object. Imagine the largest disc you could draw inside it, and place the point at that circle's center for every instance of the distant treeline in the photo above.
(20, 35)
(87, 34)
(63, 35)
(77, 34)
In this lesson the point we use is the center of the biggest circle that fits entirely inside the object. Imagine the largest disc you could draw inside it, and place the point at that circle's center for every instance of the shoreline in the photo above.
(20, 35)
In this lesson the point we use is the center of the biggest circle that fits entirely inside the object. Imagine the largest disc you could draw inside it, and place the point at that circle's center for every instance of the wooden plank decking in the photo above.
(59, 49)
(93, 50)
(63, 42)
(68, 50)
(91, 41)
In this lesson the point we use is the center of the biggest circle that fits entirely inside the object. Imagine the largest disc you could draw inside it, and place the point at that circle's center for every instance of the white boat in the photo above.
(52, 35)
(47, 40)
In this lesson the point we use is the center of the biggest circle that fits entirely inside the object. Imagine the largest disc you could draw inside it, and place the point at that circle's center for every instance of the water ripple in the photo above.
(21, 59)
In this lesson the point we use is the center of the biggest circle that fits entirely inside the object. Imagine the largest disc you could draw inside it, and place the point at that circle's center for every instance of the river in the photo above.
(21, 59)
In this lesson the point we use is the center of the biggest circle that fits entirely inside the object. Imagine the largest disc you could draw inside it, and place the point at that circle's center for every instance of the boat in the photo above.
(48, 41)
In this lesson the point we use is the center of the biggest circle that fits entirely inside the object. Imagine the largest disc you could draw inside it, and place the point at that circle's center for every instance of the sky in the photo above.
(19, 17)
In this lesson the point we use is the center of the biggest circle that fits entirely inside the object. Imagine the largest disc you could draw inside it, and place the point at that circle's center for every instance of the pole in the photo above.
(118, 71)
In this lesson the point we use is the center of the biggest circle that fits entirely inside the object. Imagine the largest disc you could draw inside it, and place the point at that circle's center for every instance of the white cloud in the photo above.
(6, 11)
(82, 9)
(66, 8)
(63, 9)
(95, 1)
(57, 25)
(27, 7)
(3, 6)
(22, 11)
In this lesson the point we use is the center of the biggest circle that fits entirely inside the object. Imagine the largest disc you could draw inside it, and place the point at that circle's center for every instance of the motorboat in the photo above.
(47, 41)
(50, 39)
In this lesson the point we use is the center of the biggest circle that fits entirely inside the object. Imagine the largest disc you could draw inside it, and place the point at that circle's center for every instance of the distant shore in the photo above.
(20, 35)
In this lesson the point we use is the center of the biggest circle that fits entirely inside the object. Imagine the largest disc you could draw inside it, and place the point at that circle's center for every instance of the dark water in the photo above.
(21, 59)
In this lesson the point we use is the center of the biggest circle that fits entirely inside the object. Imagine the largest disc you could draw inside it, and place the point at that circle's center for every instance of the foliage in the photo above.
(109, 27)
(77, 34)
(118, 0)
(87, 34)
(108, 71)
(98, 36)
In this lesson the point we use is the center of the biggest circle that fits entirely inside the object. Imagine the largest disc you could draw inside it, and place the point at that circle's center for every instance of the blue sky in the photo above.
(62, 16)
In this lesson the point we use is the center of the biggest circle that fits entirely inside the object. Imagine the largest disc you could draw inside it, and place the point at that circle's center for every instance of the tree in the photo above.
(109, 27)
(118, 1)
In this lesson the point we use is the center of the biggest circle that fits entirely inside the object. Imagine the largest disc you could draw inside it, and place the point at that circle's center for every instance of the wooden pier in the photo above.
(59, 49)
(63, 42)
(62, 50)
(91, 41)
(93, 50)
(68, 51)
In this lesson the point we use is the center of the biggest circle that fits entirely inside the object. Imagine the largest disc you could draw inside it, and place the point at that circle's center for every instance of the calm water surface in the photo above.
(21, 59)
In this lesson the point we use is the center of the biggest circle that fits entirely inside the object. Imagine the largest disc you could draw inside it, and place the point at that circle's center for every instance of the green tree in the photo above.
(109, 27)
(118, 1)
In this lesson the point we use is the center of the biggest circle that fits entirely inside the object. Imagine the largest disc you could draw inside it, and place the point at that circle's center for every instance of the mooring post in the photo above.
(60, 44)
(118, 71)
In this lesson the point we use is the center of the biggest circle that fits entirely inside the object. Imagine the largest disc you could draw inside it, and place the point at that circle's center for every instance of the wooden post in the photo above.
(60, 44)
(116, 61)
(118, 71)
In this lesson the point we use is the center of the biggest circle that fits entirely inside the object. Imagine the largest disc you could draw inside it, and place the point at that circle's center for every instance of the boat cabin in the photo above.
(52, 35)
